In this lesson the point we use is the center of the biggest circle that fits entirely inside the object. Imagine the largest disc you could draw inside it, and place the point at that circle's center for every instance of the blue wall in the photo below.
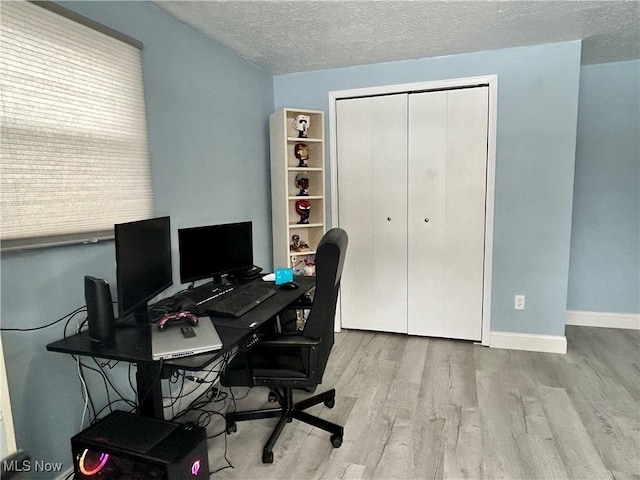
(207, 113)
(605, 243)
(537, 116)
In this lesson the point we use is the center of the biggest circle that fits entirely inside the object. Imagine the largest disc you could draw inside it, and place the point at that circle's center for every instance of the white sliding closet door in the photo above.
(447, 191)
(412, 175)
(372, 186)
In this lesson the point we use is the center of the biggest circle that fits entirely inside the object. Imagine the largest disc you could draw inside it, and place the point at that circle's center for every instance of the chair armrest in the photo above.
(279, 341)
(306, 346)
(303, 302)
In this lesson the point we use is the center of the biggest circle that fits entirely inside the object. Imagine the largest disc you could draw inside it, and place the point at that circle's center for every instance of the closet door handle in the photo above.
(426, 220)
(388, 219)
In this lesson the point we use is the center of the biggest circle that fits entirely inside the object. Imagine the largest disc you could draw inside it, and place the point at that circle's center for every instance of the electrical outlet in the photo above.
(519, 302)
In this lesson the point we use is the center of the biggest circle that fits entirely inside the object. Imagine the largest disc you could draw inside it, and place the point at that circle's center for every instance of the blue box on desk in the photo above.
(284, 275)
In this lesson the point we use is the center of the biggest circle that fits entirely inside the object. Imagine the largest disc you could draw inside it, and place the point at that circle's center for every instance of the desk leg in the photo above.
(149, 386)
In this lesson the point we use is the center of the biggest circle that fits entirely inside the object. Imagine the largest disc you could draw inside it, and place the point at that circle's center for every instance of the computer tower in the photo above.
(125, 446)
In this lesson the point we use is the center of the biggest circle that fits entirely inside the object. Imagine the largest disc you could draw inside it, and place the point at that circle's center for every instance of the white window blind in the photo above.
(74, 151)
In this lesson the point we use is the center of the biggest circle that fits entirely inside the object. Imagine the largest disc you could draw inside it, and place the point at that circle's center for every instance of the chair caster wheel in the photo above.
(267, 457)
(336, 441)
(330, 402)
(272, 397)
(232, 427)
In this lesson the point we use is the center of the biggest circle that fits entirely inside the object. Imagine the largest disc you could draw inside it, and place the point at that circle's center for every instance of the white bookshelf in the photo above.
(285, 192)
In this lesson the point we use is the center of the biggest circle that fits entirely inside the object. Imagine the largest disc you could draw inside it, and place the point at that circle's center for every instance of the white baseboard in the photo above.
(603, 319)
(529, 342)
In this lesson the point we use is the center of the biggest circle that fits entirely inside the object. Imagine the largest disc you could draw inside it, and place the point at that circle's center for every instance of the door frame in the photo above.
(489, 80)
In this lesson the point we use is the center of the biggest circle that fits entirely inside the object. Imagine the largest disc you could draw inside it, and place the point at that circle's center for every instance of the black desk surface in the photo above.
(133, 343)
(269, 308)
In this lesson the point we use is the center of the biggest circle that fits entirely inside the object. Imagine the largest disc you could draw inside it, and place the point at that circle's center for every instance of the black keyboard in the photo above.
(240, 301)
(208, 292)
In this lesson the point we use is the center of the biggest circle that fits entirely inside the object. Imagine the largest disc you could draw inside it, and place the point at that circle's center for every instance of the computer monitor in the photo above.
(143, 264)
(211, 251)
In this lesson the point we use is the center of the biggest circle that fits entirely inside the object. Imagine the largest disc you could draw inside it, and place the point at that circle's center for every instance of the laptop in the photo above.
(177, 341)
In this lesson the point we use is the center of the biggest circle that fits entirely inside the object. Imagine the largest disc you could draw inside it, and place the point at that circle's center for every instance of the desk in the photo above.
(133, 345)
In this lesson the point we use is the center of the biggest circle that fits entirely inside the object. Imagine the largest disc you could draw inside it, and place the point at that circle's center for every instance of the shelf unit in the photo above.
(285, 191)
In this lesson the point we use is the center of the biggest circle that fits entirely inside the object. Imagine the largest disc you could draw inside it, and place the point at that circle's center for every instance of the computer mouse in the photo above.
(289, 286)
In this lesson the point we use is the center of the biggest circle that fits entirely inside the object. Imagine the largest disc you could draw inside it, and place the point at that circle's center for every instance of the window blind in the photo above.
(74, 151)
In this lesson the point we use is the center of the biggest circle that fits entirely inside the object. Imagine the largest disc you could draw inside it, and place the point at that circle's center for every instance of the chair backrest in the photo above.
(330, 256)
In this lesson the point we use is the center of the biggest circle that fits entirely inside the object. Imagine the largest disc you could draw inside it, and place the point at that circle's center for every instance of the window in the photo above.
(74, 152)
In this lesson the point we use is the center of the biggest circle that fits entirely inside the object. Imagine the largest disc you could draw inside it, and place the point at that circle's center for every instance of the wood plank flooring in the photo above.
(424, 408)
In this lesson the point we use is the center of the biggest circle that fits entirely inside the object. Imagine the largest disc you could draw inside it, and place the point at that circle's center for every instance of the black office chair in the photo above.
(285, 361)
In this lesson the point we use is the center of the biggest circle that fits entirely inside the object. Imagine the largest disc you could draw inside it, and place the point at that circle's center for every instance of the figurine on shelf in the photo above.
(295, 243)
(302, 184)
(309, 266)
(301, 318)
(301, 151)
(298, 245)
(295, 264)
(301, 124)
(303, 208)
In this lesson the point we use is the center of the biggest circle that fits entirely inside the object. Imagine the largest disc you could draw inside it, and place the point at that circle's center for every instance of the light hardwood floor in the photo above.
(424, 408)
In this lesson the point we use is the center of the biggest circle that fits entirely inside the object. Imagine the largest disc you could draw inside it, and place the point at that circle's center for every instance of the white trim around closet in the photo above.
(492, 82)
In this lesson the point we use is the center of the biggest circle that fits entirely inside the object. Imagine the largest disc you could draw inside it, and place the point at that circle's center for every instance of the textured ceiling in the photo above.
(298, 36)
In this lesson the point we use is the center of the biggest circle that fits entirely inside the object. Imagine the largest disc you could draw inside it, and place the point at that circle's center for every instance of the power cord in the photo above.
(68, 316)
(215, 370)
(212, 396)
(107, 383)
(85, 394)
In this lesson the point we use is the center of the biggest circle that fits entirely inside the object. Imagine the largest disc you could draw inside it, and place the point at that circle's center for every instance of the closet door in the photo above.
(372, 176)
(446, 219)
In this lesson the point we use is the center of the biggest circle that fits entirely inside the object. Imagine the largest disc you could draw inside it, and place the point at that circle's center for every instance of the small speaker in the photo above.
(102, 324)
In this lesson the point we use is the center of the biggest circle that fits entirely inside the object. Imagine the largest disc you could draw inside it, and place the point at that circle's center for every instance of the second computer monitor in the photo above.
(211, 251)
(143, 264)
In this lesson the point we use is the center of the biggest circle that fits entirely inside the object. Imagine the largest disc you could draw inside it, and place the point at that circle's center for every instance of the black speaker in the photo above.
(97, 295)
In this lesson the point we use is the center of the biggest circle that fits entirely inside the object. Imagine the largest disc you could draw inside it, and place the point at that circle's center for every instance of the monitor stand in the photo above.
(139, 316)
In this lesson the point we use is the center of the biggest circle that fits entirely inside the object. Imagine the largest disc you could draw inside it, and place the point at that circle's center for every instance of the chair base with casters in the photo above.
(287, 411)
